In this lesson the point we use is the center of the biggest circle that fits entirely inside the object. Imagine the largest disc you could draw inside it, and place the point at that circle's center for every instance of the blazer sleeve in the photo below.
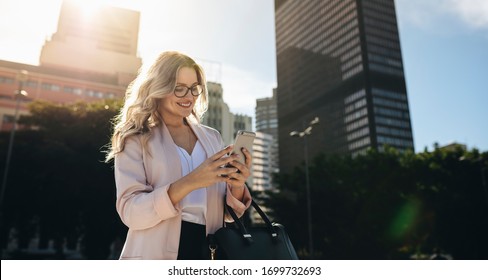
(238, 206)
(140, 205)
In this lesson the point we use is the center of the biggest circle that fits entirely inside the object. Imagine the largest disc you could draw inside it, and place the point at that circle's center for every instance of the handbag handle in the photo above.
(245, 234)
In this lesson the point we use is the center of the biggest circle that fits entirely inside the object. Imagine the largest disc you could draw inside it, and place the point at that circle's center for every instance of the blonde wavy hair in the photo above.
(140, 111)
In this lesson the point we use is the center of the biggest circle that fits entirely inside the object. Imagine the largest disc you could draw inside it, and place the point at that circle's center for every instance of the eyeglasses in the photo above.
(182, 91)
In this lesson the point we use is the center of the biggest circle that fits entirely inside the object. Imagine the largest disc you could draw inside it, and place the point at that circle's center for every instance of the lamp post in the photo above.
(303, 134)
(21, 77)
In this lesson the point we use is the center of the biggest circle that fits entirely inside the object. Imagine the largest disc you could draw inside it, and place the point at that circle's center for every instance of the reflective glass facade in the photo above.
(339, 60)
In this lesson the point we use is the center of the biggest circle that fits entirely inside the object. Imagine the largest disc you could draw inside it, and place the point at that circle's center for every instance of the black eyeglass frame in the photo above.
(190, 89)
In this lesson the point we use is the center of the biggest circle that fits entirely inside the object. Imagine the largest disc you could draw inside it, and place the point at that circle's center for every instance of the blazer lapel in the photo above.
(168, 154)
(203, 138)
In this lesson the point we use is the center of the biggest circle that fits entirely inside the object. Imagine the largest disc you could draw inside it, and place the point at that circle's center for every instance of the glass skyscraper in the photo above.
(340, 60)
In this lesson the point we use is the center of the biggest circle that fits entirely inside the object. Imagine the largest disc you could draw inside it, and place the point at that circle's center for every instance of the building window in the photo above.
(51, 87)
(359, 133)
(389, 94)
(354, 96)
(356, 115)
(356, 105)
(393, 131)
(357, 124)
(6, 80)
(8, 118)
(391, 112)
(32, 84)
(389, 103)
(392, 122)
(386, 69)
(394, 141)
(360, 143)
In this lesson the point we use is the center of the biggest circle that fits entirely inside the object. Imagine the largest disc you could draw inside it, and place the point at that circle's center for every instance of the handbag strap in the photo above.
(245, 233)
(265, 218)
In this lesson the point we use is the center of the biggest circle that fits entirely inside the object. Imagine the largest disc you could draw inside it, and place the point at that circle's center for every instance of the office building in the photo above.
(264, 165)
(102, 41)
(242, 122)
(87, 59)
(267, 129)
(53, 85)
(218, 115)
(267, 115)
(339, 60)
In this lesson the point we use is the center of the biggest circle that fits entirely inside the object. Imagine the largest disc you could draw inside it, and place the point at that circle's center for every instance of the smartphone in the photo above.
(244, 139)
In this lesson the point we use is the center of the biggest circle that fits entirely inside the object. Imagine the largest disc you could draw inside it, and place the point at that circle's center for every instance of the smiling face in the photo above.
(172, 108)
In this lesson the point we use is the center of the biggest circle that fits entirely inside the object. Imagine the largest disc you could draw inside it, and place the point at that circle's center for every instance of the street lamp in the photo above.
(303, 134)
(21, 77)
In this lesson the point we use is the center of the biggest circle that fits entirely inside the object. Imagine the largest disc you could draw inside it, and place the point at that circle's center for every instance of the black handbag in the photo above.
(269, 242)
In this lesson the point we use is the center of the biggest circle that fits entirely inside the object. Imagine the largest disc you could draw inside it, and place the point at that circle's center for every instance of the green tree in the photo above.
(387, 205)
(59, 184)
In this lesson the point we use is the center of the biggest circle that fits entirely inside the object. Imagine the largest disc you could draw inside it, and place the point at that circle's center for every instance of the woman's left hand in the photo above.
(238, 179)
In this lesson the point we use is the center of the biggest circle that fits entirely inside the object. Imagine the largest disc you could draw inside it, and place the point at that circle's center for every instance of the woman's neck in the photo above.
(175, 122)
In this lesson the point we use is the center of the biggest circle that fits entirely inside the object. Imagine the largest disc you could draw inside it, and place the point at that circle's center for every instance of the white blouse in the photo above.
(194, 205)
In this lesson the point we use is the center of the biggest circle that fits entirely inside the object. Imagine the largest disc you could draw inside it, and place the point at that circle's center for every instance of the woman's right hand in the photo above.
(213, 170)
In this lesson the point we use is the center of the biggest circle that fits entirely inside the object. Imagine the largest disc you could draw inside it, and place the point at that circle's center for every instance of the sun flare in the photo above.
(88, 8)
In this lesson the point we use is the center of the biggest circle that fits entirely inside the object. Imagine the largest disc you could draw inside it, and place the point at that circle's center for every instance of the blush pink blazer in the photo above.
(142, 179)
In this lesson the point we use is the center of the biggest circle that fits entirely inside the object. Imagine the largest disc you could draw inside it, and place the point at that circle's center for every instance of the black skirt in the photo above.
(193, 242)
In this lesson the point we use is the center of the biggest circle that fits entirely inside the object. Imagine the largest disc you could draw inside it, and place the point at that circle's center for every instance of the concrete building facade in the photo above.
(267, 127)
(87, 59)
(103, 41)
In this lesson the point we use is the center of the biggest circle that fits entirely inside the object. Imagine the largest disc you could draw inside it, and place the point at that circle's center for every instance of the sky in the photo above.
(444, 46)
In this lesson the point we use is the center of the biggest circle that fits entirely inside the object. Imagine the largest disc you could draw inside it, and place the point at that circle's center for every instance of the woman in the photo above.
(171, 172)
